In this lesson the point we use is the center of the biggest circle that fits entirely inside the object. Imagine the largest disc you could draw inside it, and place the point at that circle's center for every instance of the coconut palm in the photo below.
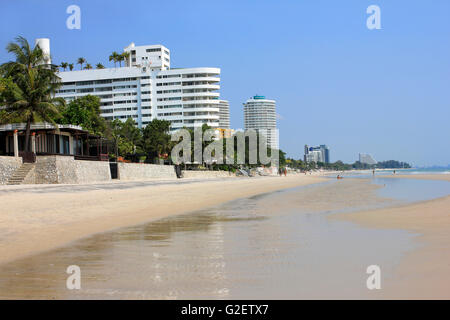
(70, 66)
(99, 66)
(125, 56)
(80, 61)
(64, 65)
(88, 66)
(30, 95)
(114, 57)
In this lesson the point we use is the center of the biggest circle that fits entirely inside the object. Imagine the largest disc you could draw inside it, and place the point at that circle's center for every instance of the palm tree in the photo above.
(64, 65)
(120, 59)
(70, 66)
(114, 57)
(30, 97)
(99, 66)
(80, 61)
(88, 66)
(125, 56)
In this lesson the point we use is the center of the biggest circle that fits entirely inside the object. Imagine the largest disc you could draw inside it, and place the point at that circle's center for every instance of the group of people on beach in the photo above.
(282, 171)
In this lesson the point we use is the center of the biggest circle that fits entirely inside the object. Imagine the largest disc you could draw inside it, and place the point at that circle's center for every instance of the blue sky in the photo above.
(384, 92)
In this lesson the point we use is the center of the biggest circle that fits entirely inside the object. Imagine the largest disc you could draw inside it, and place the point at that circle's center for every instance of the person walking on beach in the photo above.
(285, 172)
(178, 171)
(373, 172)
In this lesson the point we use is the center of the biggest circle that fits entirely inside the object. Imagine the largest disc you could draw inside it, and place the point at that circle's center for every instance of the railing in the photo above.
(101, 157)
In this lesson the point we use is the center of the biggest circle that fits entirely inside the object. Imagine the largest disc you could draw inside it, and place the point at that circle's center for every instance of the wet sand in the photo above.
(288, 244)
(38, 218)
(277, 245)
(425, 272)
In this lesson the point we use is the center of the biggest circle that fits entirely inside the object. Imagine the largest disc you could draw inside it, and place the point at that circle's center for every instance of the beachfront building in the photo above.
(147, 88)
(67, 140)
(317, 154)
(367, 159)
(260, 115)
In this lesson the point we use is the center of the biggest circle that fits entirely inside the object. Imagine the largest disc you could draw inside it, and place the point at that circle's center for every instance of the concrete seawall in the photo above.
(55, 169)
(144, 171)
(8, 165)
(207, 174)
(66, 170)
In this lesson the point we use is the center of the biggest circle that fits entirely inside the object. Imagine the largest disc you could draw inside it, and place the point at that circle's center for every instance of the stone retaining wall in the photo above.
(145, 171)
(8, 165)
(67, 170)
(207, 174)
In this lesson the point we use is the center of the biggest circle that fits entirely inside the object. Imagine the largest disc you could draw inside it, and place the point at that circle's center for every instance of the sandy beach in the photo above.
(423, 273)
(38, 218)
(290, 238)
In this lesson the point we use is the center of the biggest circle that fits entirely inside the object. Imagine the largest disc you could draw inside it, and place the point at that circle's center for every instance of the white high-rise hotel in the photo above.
(260, 114)
(147, 88)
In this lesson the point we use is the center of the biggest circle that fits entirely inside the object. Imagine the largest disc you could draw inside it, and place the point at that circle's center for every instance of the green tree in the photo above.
(85, 112)
(282, 157)
(80, 61)
(120, 58)
(64, 65)
(99, 66)
(392, 164)
(125, 56)
(132, 133)
(156, 138)
(88, 66)
(29, 94)
(70, 66)
(126, 135)
(114, 57)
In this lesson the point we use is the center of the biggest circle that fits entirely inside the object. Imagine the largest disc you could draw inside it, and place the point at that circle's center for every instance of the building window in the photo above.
(153, 50)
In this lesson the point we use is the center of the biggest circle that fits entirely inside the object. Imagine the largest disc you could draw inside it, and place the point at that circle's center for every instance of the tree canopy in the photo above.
(85, 112)
(156, 138)
(29, 89)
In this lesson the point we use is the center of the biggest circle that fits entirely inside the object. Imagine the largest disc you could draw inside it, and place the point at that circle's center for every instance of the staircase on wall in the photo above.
(21, 173)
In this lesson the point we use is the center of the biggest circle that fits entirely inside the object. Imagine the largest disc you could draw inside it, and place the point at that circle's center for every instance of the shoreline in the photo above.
(434, 176)
(51, 217)
(423, 272)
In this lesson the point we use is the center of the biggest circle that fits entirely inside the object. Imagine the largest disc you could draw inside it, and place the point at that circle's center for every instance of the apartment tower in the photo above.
(260, 114)
(147, 88)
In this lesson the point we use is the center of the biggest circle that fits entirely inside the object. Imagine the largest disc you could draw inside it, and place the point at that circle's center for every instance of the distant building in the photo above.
(224, 114)
(317, 154)
(260, 115)
(222, 133)
(367, 159)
